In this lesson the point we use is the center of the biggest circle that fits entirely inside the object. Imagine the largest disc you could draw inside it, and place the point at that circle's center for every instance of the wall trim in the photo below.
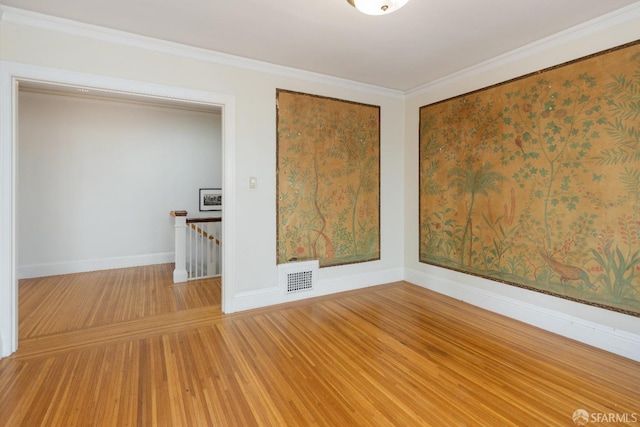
(70, 267)
(8, 273)
(542, 46)
(275, 295)
(66, 26)
(10, 73)
(623, 343)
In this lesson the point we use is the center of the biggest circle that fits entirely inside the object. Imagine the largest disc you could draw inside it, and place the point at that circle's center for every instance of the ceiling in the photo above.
(423, 41)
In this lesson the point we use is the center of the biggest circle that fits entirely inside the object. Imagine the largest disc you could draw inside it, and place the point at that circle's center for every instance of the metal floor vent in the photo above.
(300, 281)
(298, 276)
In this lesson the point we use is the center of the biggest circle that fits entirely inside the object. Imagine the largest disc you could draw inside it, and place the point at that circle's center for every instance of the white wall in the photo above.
(47, 43)
(606, 329)
(97, 179)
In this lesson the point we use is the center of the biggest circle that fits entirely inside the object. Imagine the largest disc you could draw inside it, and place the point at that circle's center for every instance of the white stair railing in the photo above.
(203, 253)
(198, 247)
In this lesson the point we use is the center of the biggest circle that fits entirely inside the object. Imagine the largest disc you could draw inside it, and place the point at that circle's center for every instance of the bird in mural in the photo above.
(519, 143)
(565, 271)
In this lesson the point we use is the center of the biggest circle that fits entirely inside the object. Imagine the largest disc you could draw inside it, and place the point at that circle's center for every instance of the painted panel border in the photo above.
(328, 179)
(535, 182)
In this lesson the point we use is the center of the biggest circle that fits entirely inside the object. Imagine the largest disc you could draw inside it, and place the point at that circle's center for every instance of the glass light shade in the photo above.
(377, 7)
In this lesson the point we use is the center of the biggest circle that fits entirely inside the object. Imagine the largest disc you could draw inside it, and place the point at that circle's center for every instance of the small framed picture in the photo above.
(211, 199)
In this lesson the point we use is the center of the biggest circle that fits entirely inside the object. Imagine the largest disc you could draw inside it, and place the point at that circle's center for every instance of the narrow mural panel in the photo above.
(536, 182)
(328, 178)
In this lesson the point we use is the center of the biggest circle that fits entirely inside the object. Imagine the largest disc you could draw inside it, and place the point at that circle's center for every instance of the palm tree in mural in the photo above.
(472, 182)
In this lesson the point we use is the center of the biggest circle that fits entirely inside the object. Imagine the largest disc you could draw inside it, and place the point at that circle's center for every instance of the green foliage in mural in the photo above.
(536, 182)
(328, 180)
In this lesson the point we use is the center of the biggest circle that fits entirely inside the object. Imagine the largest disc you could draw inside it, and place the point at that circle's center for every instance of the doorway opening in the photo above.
(132, 91)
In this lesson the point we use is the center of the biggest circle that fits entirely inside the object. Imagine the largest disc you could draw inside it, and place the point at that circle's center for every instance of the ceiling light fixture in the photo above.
(377, 7)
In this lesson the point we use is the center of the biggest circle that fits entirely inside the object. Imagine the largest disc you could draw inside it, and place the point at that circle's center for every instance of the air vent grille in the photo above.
(298, 276)
(300, 281)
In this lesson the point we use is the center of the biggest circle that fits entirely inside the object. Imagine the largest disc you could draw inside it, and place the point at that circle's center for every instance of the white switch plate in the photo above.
(253, 182)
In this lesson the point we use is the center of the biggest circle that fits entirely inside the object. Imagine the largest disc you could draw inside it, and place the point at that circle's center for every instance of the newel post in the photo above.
(180, 269)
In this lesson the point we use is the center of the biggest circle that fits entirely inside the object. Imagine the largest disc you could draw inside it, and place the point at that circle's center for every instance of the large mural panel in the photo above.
(535, 182)
(328, 178)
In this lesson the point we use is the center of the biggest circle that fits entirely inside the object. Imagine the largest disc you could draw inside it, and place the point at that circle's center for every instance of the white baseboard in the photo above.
(54, 269)
(348, 282)
(612, 339)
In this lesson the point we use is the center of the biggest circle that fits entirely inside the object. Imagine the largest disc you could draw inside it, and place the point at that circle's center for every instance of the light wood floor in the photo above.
(127, 347)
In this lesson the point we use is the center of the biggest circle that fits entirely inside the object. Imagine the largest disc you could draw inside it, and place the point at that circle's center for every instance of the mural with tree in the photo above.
(535, 182)
(328, 178)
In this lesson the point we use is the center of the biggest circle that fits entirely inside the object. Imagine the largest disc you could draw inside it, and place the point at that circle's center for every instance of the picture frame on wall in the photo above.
(210, 199)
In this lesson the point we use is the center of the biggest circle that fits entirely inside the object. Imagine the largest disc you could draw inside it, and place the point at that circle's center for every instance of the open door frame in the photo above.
(10, 76)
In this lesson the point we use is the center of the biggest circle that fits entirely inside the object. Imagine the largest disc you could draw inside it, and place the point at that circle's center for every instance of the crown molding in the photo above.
(602, 23)
(66, 26)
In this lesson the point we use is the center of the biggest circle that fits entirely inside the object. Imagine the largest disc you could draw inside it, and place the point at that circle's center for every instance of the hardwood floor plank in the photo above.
(105, 297)
(148, 352)
(123, 331)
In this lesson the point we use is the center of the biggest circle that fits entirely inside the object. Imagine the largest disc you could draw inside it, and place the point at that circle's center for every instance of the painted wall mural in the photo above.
(328, 179)
(535, 182)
